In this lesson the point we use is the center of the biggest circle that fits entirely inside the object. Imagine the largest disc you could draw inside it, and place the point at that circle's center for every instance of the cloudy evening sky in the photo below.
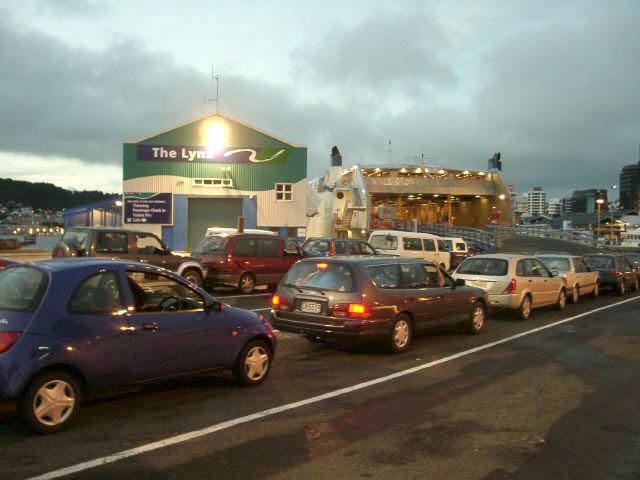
(554, 86)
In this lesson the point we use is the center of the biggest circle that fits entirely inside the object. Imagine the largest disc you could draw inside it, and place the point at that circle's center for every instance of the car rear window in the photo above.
(73, 238)
(461, 247)
(557, 263)
(384, 242)
(319, 246)
(484, 266)
(324, 276)
(600, 262)
(212, 245)
(22, 289)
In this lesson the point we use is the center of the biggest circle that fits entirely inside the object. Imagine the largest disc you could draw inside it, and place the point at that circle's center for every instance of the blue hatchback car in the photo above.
(69, 327)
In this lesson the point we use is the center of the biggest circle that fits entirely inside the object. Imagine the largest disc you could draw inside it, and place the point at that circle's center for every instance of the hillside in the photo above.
(46, 195)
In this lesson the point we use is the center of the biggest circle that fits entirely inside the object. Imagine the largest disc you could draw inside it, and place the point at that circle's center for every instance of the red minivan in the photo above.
(244, 260)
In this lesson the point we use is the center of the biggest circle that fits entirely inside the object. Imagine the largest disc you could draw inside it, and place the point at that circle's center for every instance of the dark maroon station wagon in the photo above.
(373, 299)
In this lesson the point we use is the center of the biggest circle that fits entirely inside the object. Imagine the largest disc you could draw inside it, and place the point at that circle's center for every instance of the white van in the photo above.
(458, 250)
(411, 244)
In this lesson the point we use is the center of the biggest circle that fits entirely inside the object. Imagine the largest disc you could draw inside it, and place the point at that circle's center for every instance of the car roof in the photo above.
(558, 255)
(366, 259)
(502, 256)
(338, 238)
(88, 263)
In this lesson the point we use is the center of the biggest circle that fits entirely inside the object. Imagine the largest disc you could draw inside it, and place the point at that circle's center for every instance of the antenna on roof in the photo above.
(217, 97)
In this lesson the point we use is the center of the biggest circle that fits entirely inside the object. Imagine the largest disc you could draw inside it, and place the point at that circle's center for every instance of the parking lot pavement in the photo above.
(557, 403)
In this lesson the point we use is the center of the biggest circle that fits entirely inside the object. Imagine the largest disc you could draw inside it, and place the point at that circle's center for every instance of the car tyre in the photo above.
(50, 402)
(400, 336)
(595, 293)
(247, 283)
(253, 364)
(193, 276)
(477, 318)
(575, 294)
(562, 300)
(524, 311)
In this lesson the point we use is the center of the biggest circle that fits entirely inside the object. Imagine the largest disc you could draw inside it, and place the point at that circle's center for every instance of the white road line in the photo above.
(185, 437)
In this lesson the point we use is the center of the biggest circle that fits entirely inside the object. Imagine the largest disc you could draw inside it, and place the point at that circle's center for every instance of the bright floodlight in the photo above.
(502, 196)
(600, 201)
(215, 137)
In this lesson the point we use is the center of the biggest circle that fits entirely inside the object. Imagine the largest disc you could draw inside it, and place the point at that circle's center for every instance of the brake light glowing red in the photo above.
(279, 303)
(511, 288)
(351, 310)
(7, 339)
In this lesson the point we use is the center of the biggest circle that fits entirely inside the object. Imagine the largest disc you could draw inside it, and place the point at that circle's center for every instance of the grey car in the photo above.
(579, 277)
(373, 299)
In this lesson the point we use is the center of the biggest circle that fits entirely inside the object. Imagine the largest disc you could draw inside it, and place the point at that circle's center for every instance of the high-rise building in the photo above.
(566, 205)
(630, 187)
(537, 200)
(554, 207)
(585, 201)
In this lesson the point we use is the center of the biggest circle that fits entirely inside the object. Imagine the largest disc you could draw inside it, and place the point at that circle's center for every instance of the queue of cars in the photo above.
(69, 327)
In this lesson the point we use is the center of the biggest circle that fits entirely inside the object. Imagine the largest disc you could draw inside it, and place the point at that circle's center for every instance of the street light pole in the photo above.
(599, 201)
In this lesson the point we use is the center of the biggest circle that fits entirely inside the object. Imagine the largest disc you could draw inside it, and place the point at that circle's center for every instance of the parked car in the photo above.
(634, 259)
(458, 250)
(329, 247)
(616, 273)
(411, 244)
(373, 299)
(5, 262)
(579, 277)
(70, 328)
(125, 244)
(515, 282)
(245, 260)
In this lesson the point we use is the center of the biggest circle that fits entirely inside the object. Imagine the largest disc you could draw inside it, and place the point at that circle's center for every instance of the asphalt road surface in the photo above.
(558, 402)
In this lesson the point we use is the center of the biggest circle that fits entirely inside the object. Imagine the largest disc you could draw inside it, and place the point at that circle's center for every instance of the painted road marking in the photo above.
(185, 437)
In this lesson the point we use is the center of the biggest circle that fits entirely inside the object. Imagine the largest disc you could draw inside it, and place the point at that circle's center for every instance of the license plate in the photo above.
(310, 307)
(475, 283)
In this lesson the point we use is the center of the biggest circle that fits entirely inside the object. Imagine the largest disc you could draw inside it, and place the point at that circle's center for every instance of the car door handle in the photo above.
(153, 326)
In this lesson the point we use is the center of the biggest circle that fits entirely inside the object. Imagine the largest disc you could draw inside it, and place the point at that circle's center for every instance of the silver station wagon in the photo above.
(580, 278)
(516, 282)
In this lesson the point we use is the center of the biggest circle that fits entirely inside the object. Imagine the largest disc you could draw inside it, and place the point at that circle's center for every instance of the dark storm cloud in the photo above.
(556, 94)
(73, 7)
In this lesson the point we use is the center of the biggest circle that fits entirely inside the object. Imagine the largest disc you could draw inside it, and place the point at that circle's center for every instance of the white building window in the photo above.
(284, 192)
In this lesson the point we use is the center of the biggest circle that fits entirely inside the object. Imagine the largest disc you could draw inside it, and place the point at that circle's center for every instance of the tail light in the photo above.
(332, 249)
(7, 339)
(511, 288)
(280, 303)
(351, 310)
(613, 274)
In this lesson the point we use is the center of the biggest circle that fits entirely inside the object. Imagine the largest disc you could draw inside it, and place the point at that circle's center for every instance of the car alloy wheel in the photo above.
(525, 308)
(50, 402)
(193, 276)
(253, 364)
(562, 300)
(247, 283)
(476, 318)
(400, 334)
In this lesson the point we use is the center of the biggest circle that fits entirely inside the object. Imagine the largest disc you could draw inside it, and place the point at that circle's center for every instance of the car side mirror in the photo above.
(459, 282)
(215, 306)
(554, 273)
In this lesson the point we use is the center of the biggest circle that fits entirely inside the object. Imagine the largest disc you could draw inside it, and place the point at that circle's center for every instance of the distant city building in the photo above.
(585, 201)
(537, 201)
(522, 207)
(566, 205)
(554, 207)
(630, 187)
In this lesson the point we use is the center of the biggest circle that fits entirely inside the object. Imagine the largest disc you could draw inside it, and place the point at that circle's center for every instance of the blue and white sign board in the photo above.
(148, 208)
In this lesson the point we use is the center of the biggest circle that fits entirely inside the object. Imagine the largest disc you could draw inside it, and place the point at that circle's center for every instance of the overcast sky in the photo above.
(554, 86)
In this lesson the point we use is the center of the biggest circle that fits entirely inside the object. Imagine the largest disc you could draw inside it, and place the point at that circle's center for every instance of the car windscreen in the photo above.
(324, 276)
(597, 261)
(484, 266)
(73, 238)
(315, 245)
(633, 258)
(556, 263)
(461, 247)
(213, 245)
(22, 289)
(384, 242)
